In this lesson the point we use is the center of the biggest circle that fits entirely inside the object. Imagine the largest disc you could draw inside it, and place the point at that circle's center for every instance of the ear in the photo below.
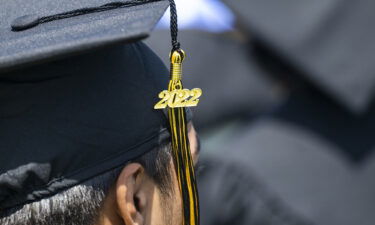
(130, 194)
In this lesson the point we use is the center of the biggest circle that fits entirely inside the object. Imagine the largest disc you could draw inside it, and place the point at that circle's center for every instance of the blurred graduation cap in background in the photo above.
(321, 136)
(325, 48)
(330, 42)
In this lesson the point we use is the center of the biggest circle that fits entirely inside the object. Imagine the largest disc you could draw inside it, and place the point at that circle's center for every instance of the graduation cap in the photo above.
(330, 42)
(74, 105)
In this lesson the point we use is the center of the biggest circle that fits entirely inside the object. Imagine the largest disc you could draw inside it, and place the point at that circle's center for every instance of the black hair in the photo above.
(80, 205)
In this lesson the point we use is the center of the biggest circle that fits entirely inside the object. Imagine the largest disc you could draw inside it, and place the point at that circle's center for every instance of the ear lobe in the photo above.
(127, 197)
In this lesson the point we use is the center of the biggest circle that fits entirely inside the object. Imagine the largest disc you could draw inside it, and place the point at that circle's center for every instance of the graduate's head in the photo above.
(143, 191)
(124, 195)
(82, 140)
(82, 144)
(144, 195)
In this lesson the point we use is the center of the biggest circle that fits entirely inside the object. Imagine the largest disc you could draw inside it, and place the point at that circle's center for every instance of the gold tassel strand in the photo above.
(180, 144)
(177, 98)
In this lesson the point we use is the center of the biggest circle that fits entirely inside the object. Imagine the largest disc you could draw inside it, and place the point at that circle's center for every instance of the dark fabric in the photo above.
(329, 41)
(231, 195)
(353, 135)
(72, 35)
(307, 171)
(316, 48)
(64, 122)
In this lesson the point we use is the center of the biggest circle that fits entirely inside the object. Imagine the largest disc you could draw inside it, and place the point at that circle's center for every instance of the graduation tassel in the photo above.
(176, 98)
(180, 143)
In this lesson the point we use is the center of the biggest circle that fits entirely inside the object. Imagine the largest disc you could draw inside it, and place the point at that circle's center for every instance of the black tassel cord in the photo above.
(180, 144)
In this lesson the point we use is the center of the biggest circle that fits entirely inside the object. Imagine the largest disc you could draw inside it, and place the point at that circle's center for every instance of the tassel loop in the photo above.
(177, 57)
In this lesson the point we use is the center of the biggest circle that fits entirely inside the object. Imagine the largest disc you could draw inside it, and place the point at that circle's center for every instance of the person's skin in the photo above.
(136, 199)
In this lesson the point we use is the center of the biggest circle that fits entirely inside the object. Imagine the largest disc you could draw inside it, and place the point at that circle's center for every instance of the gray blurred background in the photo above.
(287, 116)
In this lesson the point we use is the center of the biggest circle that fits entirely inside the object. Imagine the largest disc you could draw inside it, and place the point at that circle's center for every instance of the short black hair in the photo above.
(80, 205)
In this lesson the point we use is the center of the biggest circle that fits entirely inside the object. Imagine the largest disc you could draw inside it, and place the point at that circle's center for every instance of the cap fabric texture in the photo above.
(330, 41)
(64, 122)
(62, 37)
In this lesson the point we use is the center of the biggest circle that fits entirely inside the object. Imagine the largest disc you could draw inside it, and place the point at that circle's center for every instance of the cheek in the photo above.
(159, 215)
(193, 144)
(178, 209)
(167, 210)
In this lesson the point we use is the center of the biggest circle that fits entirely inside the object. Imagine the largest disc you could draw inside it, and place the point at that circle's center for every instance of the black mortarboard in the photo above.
(64, 122)
(329, 41)
(37, 30)
(63, 119)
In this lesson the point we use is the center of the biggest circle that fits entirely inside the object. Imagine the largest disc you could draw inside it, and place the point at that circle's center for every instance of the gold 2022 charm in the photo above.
(178, 98)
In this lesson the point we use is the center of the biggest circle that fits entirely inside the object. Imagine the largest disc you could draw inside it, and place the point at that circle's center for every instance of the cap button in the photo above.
(25, 22)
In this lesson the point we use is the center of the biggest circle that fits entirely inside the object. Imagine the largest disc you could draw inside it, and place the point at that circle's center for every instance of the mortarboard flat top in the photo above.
(67, 36)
